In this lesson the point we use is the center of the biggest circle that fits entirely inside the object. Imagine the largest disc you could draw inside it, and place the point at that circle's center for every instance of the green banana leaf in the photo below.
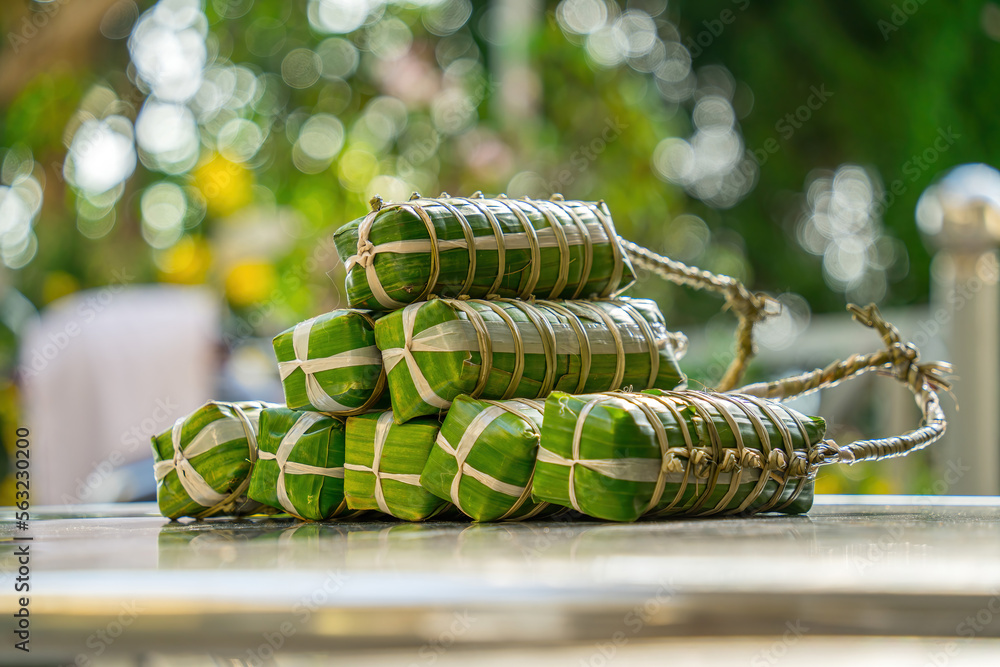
(619, 457)
(214, 463)
(497, 442)
(388, 479)
(300, 466)
(436, 350)
(552, 249)
(330, 364)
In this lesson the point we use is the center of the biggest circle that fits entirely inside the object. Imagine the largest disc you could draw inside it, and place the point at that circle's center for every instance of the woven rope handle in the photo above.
(750, 307)
(899, 359)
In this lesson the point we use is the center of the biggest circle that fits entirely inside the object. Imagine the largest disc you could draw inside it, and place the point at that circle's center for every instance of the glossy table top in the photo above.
(875, 569)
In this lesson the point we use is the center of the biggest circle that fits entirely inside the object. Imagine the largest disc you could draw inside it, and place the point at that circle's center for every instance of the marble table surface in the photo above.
(904, 580)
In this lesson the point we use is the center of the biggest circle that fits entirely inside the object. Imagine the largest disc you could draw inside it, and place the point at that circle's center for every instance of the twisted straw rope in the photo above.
(899, 359)
(750, 307)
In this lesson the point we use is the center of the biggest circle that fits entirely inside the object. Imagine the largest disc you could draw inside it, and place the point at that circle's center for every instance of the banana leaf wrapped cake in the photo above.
(450, 246)
(202, 465)
(620, 456)
(300, 464)
(383, 463)
(330, 364)
(434, 351)
(484, 458)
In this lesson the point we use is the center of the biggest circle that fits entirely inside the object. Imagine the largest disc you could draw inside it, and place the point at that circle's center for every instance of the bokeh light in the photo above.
(841, 222)
(339, 58)
(163, 207)
(340, 16)
(318, 143)
(301, 68)
(782, 330)
(20, 202)
(168, 49)
(167, 136)
(101, 156)
(446, 17)
(712, 164)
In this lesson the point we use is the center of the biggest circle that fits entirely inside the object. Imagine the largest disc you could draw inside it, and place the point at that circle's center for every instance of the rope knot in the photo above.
(366, 253)
(178, 458)
(828, 451)
(730, 461)
(776, 460)
(904, 360)
(905, 356)
(678, 341)
(751, 458)
(701, 463)
(754, 306)
(672, 464)
(800, 467)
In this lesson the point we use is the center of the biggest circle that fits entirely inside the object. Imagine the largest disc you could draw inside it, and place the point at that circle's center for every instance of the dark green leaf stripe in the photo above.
(451, 246)
(500, 349)
(330, 364)
(620, 456)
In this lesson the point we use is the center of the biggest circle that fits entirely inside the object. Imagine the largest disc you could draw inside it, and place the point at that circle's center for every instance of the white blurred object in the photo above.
(103, 371)
(960, 215)
(963, 209)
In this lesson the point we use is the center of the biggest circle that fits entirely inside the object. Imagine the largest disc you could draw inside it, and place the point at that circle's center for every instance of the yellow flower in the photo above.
(226, 186)
(249, 282)
(57, 285)
(186, 262)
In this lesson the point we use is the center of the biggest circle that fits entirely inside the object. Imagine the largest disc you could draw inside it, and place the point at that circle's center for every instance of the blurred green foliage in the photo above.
(894, 87)
(892, 91)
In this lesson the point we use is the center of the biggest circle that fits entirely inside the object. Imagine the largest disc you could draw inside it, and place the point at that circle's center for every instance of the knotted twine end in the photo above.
(905, 357)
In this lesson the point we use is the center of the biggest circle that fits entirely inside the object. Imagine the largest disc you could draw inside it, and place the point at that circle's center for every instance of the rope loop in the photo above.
(901, 360)
(904, 356)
